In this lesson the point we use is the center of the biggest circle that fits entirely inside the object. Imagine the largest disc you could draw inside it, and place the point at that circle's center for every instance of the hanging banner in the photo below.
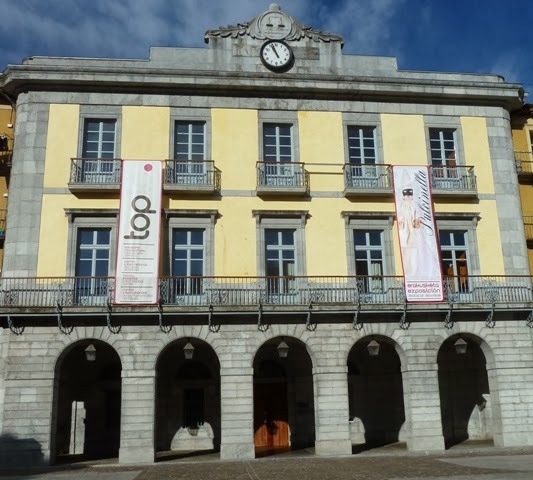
(137, 268)
(418, 234)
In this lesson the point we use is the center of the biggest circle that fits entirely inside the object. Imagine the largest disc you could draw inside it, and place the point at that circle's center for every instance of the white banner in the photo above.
(137, 268)
(419, 244)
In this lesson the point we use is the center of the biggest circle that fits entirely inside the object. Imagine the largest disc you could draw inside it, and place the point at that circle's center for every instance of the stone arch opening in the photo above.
(375, 394)
(87, 402)
(283, 397)
(187, 413)
(465, 400)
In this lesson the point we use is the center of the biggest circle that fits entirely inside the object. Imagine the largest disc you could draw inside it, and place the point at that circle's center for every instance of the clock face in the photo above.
(276, 55)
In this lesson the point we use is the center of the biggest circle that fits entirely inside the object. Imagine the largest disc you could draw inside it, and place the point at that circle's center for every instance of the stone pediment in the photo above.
(273, 25)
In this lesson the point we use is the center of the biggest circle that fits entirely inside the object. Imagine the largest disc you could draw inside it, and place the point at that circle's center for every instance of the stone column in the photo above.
(511, 391)
(332, 422)
(422, 407)
(137, 417)
(237, 413)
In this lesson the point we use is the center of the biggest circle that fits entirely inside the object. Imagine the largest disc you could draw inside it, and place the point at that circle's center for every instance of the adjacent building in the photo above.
(281, 319)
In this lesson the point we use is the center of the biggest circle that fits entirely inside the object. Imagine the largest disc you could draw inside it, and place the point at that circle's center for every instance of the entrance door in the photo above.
(271, 426)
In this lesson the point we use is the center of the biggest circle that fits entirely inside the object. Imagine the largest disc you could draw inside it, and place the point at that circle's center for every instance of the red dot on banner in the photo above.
(148, 167)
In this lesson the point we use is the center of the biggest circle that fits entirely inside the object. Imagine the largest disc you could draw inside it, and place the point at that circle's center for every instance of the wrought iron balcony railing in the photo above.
(374, 292)
(282, 177)
(524, 164)
(191, 175)
(458, 180)
(6, 157)
(90, 173)
(367, 179)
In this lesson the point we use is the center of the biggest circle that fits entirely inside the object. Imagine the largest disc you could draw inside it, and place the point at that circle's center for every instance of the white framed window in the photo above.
(369, 259)
(190, 140)
(280, 259)
(443, 146)
(277, 142)
(188, 260)
(455, 258)
(99, 138)
(361, 144)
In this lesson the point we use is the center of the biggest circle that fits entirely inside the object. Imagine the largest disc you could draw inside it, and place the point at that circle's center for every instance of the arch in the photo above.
(86, 402)
(464, 388)
(278, 334)
(283, 396)
(188, 410)
(375, 393)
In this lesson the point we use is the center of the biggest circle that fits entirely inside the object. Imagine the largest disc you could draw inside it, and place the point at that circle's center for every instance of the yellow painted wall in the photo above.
(145, 133)
(321, 141)
(61, 144)
(235, 150)
(477, 152)
(235, 146)
(404, 139)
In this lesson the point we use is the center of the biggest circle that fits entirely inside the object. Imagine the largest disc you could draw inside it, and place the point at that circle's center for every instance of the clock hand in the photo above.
(274, 50)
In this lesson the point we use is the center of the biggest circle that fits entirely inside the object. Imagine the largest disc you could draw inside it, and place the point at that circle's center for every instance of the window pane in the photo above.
(360, 237)
(271, 237)
(197, 237)
(180, 237)
(287, 237)
(375, 237)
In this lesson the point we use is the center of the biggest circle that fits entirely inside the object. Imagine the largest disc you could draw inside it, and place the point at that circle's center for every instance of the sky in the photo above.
(480, 36)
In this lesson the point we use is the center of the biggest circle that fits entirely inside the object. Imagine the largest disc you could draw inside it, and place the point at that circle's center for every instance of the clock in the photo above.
(276, 55)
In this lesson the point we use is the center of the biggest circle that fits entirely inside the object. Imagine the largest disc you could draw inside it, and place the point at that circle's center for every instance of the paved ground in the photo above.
(385, 464)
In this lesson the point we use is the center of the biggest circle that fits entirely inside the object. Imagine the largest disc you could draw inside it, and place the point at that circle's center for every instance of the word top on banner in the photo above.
(417, 232)
(137, 268)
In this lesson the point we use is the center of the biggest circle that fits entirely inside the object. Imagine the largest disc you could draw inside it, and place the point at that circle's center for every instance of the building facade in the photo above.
(282, 319)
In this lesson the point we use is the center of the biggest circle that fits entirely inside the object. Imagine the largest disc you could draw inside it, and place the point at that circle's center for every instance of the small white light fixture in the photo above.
(283, 349)
(460, 346)
(373, 348)
(188, 350)
(90, 353)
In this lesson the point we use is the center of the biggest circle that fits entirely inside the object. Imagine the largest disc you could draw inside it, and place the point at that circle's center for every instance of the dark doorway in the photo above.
(87, 404)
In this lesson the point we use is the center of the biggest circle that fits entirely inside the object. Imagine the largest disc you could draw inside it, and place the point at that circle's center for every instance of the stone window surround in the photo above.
(277, 117)
(280, 219)
(104, 112)
(90, 218)
(350, 119)
(176, 218)
(463, 222)
(184, 114)
(370, 221)
(446, 123)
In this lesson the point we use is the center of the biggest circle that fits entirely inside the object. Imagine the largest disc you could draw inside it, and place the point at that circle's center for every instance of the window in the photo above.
(361, 145)
(189, 167)
(98, 151)
(278, 155)
(280, 259)
(188, 260)
(442, 146)
(93, 247)
(369, 257)
(454, 255)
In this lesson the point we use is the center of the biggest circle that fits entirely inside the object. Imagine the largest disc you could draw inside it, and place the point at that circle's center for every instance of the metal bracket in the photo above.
(163, 328)
(212, 326)
(448, 322)
(112, 328)
(308, 325)
(16, 330)
(529, 320)
(490, 322)
(260, 325)
(404, 324)
(59, 315)
(356, 323)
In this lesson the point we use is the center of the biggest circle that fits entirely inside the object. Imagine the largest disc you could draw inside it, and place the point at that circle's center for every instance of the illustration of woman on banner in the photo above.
(419, 260)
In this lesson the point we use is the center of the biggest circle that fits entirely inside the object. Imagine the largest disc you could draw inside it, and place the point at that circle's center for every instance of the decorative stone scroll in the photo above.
(273, 25)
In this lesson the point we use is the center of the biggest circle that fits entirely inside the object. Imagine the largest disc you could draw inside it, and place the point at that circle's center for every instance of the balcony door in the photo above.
(443, 146)
(188, 261)
(99, 151)
(189, 153)
(362, 156)
(279, 169)
(280, 261)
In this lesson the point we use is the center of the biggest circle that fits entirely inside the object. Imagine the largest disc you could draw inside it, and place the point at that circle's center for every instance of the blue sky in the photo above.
(486, 36)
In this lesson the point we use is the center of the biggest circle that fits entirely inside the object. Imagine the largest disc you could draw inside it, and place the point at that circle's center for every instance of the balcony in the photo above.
(95, 174)
(6, 157)
(363, 179)
(277, 178)
(524, 166)
(191, 176)
(453, 181)
(371, 293)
